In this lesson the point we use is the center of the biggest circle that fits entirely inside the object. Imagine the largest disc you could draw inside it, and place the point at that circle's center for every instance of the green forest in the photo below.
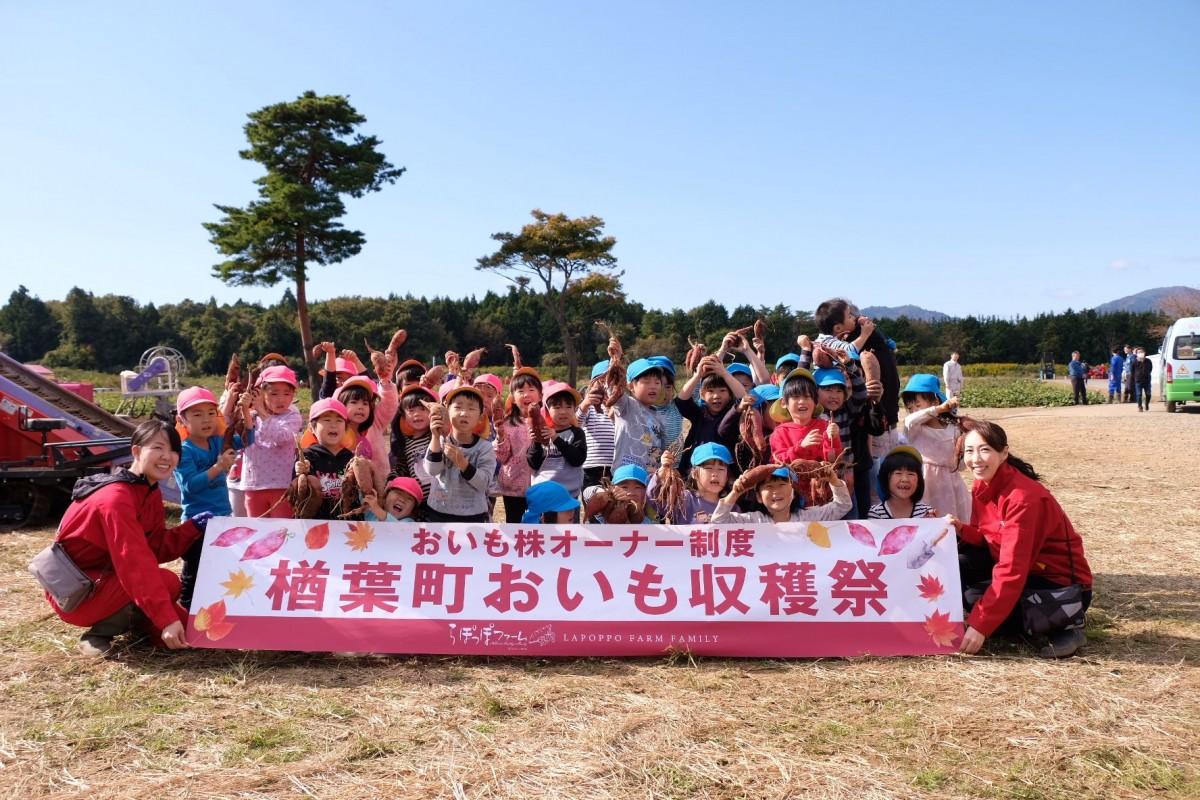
(110, 332)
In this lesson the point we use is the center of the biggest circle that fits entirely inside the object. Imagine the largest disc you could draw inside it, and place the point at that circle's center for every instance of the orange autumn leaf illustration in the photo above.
(238, 582)
(211, 620)
(360, 535)
(941, 629)
(819, 534)
(317, 536)
(931, 588)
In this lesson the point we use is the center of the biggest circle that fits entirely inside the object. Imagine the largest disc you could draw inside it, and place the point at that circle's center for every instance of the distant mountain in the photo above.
(895, 312)
(1152, 299)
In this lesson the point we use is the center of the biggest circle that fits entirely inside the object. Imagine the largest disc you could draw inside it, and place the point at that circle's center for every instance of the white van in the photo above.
(1179, 373)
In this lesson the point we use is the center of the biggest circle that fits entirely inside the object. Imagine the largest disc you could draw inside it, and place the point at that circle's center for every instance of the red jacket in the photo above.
(1028, 533)
(116, 524)
(787, 436)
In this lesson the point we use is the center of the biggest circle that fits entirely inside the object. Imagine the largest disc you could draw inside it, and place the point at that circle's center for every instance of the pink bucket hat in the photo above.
(491, 380)
(557, 387)
(194, 396)
(344, 365)
(278, 375)
(409, 486)
(324, 406)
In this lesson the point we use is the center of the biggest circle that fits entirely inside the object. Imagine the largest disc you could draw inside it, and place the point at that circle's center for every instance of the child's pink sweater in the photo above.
(515, 472)
(373, 444)
(269, 461)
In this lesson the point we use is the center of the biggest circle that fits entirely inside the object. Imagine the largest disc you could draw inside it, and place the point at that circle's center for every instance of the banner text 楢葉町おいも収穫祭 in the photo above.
(804, 589)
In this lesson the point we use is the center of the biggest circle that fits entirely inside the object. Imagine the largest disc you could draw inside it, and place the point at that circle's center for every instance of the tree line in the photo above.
(110, 332)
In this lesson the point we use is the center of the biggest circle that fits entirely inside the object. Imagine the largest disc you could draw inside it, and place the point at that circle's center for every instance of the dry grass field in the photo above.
(1121, 721)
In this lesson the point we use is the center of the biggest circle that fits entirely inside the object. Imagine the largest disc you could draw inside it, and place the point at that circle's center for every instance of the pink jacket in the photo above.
(374, 444)
(515, 472)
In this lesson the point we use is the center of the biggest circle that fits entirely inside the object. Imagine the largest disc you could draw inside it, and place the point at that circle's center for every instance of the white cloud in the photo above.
(1121, 264)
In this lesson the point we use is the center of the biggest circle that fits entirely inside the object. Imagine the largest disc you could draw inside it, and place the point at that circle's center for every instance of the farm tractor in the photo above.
(51, 436)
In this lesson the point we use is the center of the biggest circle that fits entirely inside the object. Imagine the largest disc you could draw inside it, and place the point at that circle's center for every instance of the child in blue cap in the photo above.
(628, 490)
(549, 502)
(639, 437)
(780, 501)
(720, 392)
(932, 428)
(668, 413)
(707, 478)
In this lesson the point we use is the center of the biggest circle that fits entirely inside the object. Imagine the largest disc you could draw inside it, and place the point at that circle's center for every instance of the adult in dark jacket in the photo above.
(115, 531)
(1140, 374)
(1018, 539)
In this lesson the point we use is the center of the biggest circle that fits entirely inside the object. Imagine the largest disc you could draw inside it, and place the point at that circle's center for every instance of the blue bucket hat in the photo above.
(630, 472)
(783, 472)
(641, 367)
(785, 358)
(710, 451)
(546, 497)
(924, 383)
(765, 393)
(599, 368)
(739, 368)
(829, 376)
(664, 363)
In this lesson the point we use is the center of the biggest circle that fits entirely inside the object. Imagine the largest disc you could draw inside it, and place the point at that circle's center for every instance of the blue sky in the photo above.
(975, 158)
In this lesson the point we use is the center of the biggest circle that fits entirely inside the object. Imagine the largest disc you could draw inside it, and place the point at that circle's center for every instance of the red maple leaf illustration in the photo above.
(211, 620)
(931, 588)
(941, 629)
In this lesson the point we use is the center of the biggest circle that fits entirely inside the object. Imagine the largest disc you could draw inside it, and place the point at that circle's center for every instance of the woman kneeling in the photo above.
(1019, 541)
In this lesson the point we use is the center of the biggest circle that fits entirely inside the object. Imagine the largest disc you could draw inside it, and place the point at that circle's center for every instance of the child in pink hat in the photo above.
(267, 463)
(400, 501)
(204, 462)
(324, 463)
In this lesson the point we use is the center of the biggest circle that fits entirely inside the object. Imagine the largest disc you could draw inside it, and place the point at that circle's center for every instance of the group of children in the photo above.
(738, 441)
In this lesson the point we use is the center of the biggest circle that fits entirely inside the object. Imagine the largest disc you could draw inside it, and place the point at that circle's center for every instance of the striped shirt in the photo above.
(414, 454)
(880, 511)
(601, 435)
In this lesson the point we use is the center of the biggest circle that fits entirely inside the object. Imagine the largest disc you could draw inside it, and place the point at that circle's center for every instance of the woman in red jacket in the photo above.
(1019, 539)
(115, 531)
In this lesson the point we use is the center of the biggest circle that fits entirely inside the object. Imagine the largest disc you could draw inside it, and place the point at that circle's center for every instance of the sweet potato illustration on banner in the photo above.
(897, 539)
(261, 548)
(232, 536)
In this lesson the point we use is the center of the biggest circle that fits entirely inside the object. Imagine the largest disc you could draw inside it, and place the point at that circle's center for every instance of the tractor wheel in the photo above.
(24, 505)
(1171, 406)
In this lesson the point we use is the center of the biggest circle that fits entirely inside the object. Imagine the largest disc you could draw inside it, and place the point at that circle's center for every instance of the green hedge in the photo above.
(984, 393)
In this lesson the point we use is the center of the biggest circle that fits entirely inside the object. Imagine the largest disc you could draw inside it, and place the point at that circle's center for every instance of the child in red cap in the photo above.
(268, 461)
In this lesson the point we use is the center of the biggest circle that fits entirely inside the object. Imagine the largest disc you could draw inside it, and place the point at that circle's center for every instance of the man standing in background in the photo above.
(1127, 373)
(1116, 368)
(953, 377)
(1078, 372)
